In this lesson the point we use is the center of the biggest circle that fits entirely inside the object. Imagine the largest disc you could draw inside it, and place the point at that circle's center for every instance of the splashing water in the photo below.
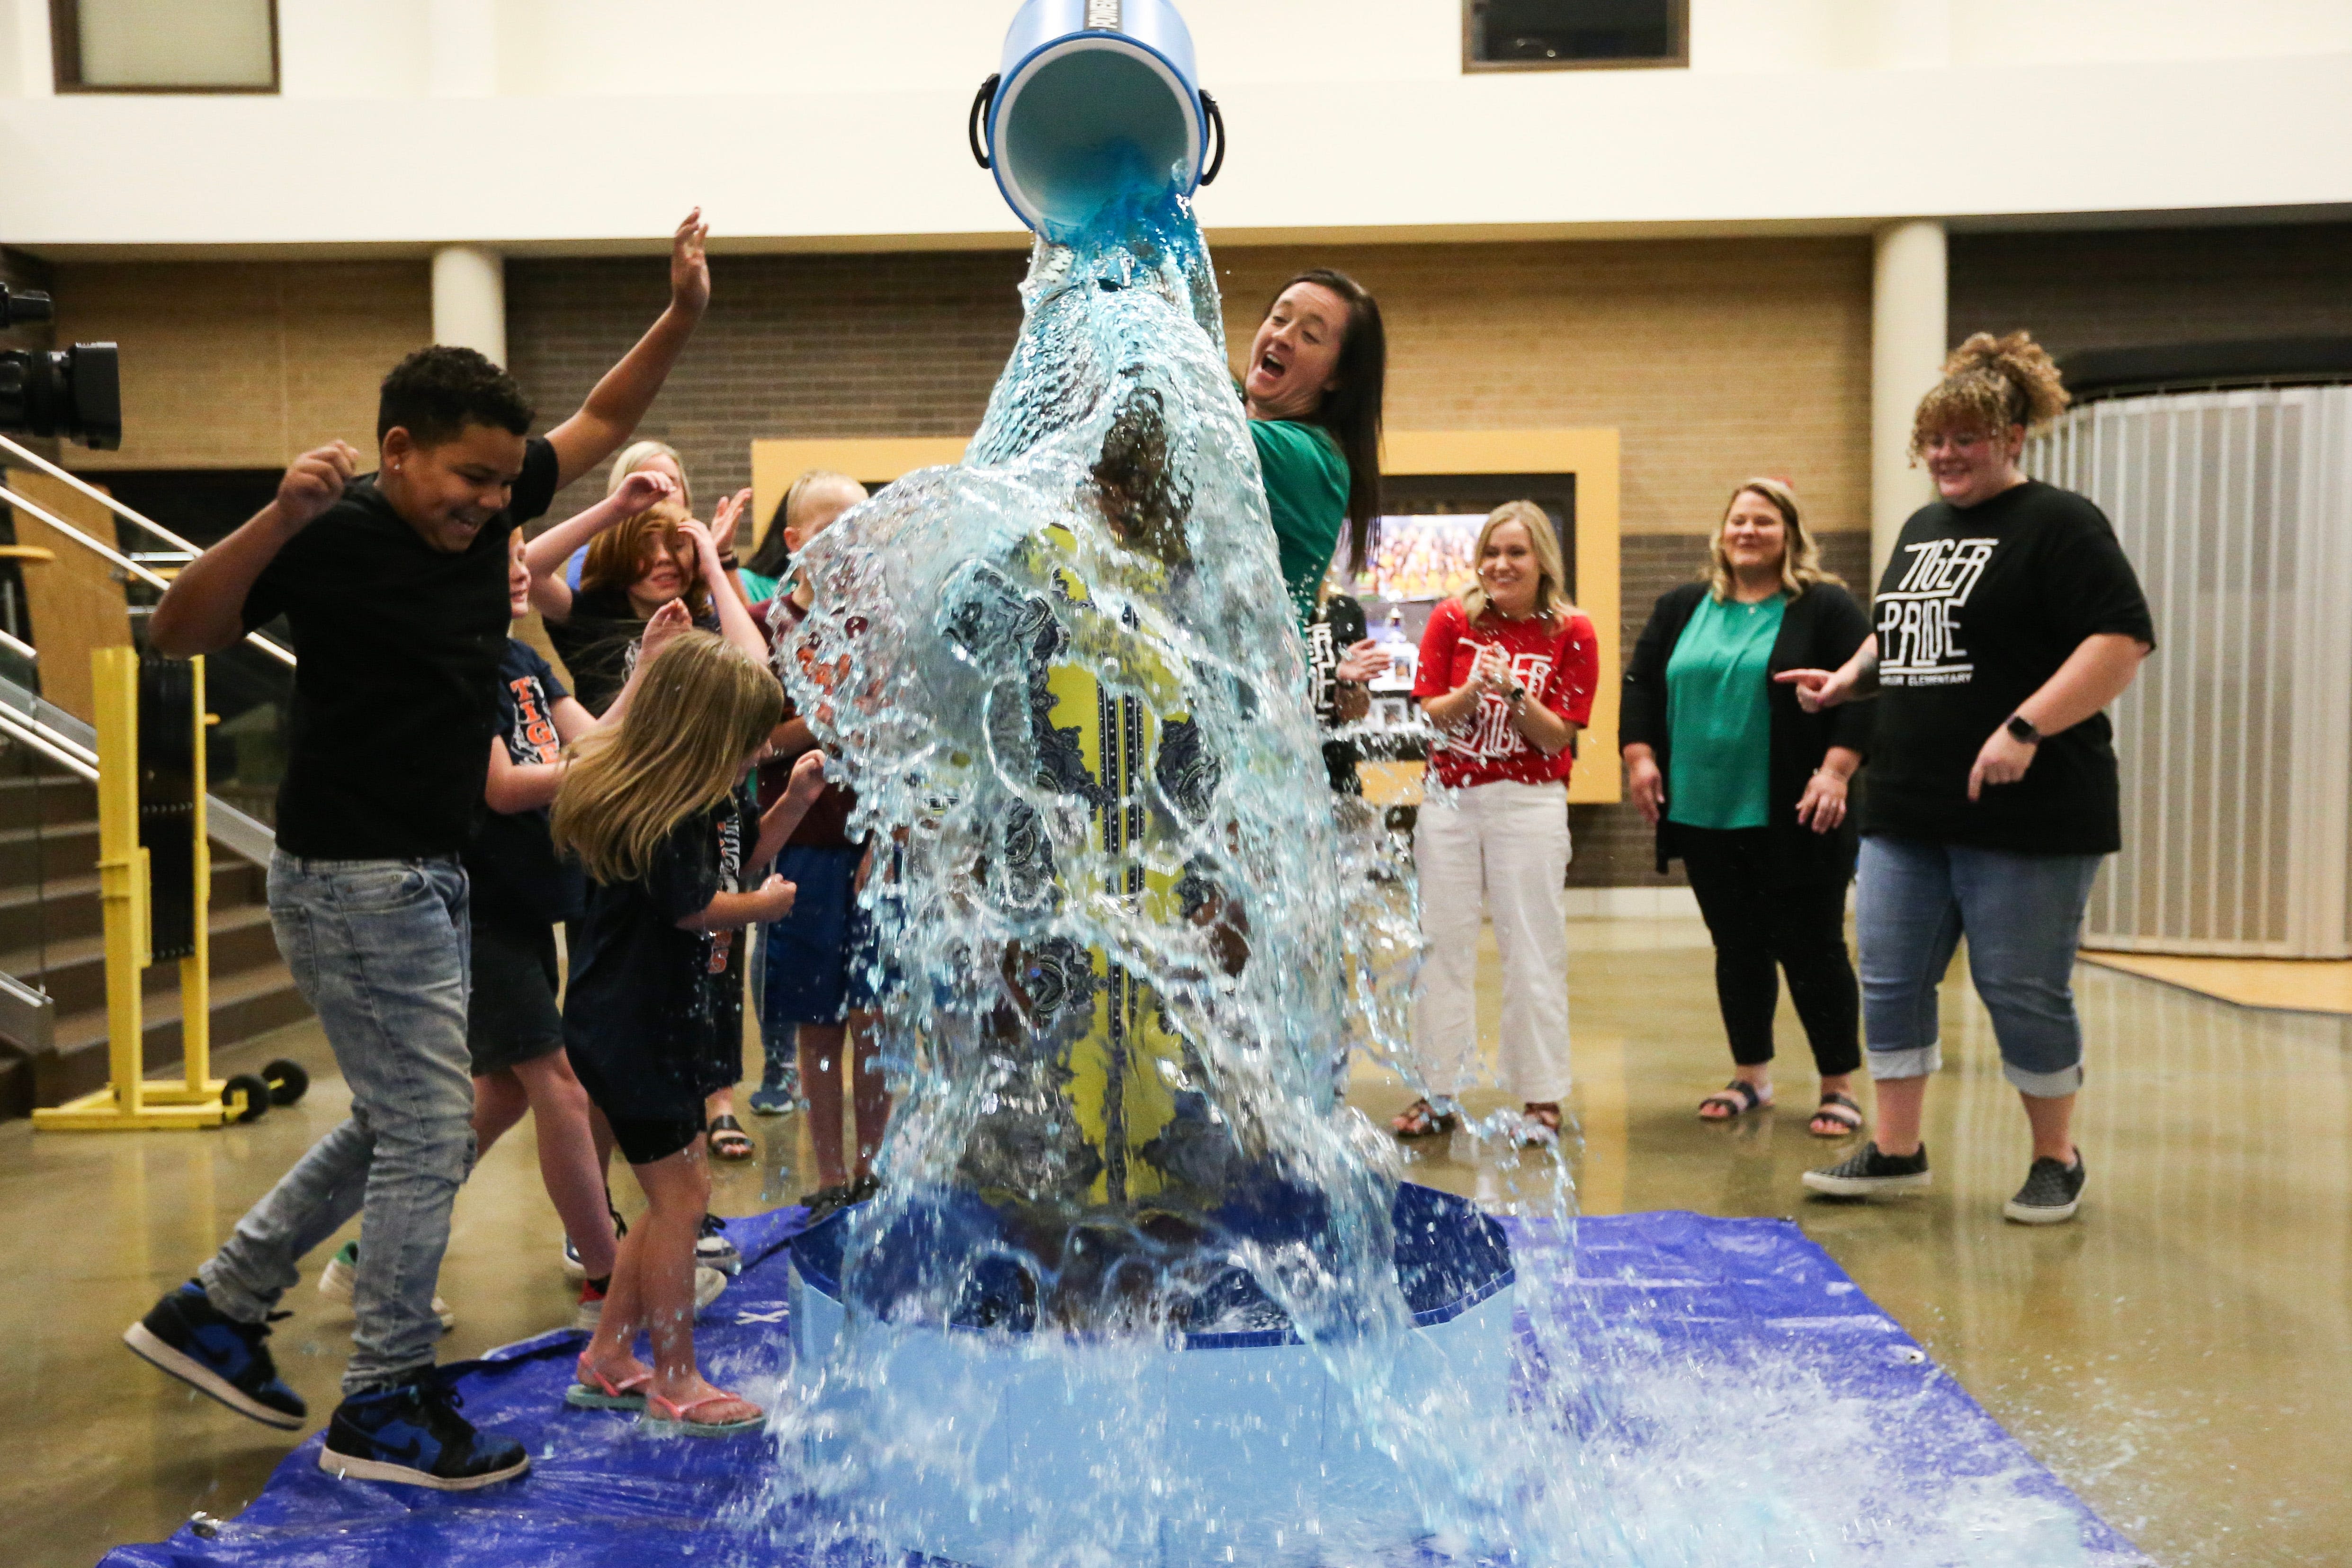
(1129, 941)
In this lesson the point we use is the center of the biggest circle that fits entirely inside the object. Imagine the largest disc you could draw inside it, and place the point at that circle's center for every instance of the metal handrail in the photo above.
(20, 647)
(126, 513)
(41, 738)
(120, 561)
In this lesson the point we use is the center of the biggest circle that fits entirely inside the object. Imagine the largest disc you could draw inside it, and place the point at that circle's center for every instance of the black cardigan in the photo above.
(1819, 630)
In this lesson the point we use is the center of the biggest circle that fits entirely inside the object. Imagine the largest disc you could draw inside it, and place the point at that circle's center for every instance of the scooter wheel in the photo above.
(288, 1081)
(247, 1095)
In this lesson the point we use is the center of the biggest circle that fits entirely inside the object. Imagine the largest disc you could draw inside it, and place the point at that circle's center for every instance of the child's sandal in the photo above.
(663, 1419)
(594, 1391)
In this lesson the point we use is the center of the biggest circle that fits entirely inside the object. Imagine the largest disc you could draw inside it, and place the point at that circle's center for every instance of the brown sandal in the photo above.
(1539, 1124)
(1738, 1098)
(1423, 1120)
(1840, 1113)
(730, 1142)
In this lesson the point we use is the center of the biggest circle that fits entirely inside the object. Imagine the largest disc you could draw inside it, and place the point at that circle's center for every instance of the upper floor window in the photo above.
(1555, 35)
(164, 46)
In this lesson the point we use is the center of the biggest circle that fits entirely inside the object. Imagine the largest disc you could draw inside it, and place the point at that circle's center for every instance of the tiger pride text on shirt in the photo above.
(1978, 609)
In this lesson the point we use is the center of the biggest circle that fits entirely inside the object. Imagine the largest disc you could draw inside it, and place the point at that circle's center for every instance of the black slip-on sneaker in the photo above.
(1867, 1172)
(2052, 1194)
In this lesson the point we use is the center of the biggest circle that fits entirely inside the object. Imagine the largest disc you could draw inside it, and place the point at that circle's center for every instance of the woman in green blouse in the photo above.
(1750, 791)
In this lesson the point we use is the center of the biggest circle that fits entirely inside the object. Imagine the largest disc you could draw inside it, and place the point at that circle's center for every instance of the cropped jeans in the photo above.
(378, 949)
(2022, 915)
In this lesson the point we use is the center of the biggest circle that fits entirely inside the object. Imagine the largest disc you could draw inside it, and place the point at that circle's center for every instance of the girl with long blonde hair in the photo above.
(656, 811)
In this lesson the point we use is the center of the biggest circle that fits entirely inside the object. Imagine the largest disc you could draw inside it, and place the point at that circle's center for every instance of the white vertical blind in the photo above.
(2236, 742)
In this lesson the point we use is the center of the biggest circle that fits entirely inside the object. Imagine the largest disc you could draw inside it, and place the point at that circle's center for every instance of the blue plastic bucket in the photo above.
(1098, 100)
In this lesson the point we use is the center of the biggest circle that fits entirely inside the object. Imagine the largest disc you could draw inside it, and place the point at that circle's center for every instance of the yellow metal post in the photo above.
(199, 1087)
(129, 1103)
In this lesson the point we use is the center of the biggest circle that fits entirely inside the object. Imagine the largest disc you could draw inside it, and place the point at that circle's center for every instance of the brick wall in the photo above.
(244, 364)
(793, 345)
(1717, 358)
(2122, 287)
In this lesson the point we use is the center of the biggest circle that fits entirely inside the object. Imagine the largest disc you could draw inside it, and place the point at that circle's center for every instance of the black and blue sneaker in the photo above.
(206, 1349)
(409, 1432)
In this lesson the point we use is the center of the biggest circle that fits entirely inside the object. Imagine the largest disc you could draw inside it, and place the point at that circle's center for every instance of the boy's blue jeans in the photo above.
(2022, 915)
(379, 949)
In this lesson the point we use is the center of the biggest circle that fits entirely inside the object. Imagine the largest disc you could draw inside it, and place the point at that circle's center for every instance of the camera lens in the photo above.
(75, 393)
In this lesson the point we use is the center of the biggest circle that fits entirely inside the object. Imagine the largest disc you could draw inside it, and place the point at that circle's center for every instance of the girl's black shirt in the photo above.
(654, 1013)
(1978, 607)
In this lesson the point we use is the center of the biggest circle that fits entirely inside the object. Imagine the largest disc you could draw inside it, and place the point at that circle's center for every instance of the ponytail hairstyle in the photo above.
(619, 556)
(1990, 384)
(1350, 411)
(702, 709)
(1551, 586)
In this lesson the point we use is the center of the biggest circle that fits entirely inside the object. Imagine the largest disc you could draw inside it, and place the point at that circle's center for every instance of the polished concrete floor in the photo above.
(2180, 1355)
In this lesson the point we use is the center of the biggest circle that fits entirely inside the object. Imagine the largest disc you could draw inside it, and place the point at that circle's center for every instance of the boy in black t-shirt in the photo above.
(395, 585)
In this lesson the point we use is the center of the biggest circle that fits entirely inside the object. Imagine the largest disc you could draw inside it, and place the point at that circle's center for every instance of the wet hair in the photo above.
(702, 709)
(773, 558)
(436, 393)
(620, 555)
(1990, 384)
(1350, 411)
(1800, 557)
(636, 455)
(1551, 585)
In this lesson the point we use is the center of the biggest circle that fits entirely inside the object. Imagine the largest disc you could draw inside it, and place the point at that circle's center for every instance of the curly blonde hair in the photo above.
(703, 709)
(1990, 384)
(1800, 558)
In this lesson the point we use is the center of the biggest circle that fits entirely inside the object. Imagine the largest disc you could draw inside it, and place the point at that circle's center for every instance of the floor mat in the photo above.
(1737, 1344)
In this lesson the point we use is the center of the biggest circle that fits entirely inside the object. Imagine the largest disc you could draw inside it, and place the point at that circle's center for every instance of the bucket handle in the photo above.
(1217, 127)
(982, 100)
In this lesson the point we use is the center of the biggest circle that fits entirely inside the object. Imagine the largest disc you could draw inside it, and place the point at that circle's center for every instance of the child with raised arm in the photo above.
(658, 812)
(395, 585)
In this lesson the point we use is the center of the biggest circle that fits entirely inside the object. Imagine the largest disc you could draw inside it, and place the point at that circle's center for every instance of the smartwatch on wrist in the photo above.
(2022, 729)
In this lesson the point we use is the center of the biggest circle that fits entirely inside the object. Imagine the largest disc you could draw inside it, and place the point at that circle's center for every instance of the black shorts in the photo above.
(512, 1016)
(642, 1142)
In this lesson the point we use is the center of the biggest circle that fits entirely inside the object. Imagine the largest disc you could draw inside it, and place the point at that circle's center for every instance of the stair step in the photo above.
(52, 850)
(65, 907)
(243, 1004)
(45, 799)
(74, 973)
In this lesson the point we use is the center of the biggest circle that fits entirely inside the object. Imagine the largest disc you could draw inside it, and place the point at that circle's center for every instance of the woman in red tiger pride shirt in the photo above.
(1506, 677)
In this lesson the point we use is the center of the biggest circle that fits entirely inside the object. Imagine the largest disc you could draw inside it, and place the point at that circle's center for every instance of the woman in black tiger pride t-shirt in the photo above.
(2007, 621)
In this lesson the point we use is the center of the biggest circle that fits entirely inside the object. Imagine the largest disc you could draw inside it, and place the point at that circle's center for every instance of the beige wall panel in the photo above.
(242, 365)
(74, 600)
(1716, 359)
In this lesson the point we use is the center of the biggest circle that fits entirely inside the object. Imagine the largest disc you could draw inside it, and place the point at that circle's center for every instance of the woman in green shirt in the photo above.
(1750, 791)
(1316, 373)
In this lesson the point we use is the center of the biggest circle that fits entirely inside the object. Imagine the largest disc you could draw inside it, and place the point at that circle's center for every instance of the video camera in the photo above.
(76, 392)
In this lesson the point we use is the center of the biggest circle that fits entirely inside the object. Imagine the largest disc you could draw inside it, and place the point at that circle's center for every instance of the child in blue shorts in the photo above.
(810, 1017)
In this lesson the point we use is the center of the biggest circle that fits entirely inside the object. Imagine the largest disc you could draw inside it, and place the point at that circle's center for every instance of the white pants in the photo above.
(1500, 849)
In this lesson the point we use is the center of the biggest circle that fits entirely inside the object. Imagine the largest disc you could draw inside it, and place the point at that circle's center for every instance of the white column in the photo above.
(461, 48)
(1914, 35)
(469, 299)
(1907, 343)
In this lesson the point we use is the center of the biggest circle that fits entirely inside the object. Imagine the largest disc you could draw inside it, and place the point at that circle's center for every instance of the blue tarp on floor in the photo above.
(1735, 1332)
